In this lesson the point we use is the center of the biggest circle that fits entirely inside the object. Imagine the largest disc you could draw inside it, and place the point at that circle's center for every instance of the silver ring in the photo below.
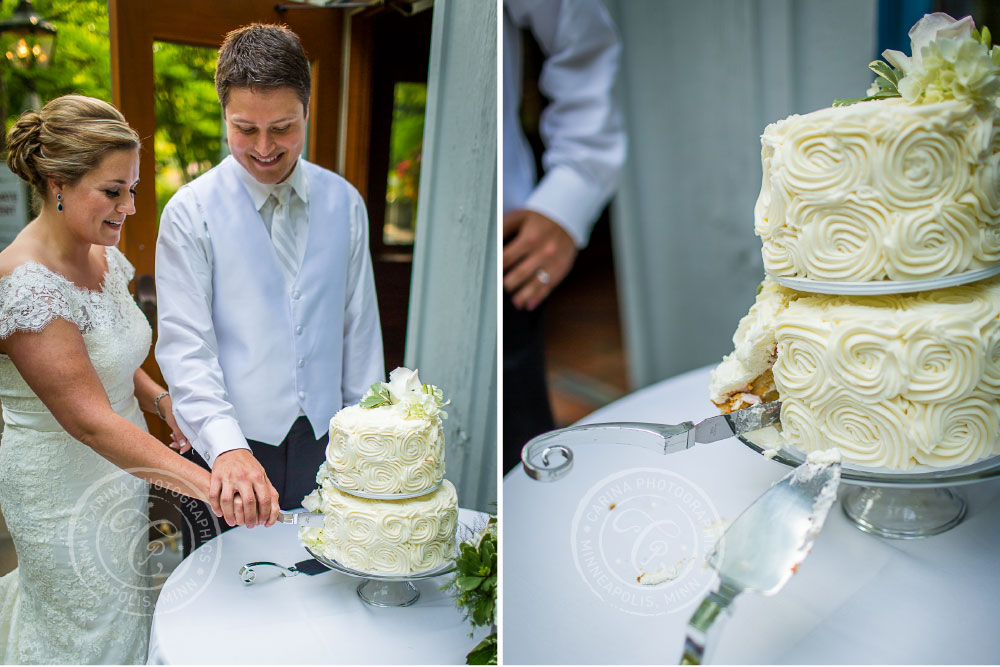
(543, 276)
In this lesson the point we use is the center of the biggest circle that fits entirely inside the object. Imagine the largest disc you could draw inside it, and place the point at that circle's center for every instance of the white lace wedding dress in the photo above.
(81, 592)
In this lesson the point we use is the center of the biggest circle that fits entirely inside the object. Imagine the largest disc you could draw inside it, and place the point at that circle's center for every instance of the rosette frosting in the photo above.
(394, 447)
(892, 381)
(881, 190)
(385, 536)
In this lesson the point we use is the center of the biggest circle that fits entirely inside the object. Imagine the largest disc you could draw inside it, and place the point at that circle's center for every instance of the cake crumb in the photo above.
(663, 574)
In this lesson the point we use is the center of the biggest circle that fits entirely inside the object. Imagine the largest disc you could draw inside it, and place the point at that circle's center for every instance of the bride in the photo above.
(71, 342)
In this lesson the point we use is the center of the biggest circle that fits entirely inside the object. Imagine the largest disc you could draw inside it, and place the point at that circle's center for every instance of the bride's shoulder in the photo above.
(18, 258)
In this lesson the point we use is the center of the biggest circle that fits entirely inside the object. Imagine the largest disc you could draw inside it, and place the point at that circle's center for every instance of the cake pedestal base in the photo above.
(903, 513)
(388, 593)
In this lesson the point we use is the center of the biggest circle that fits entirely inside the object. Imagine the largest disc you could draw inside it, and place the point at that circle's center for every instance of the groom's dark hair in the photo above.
(262, 56)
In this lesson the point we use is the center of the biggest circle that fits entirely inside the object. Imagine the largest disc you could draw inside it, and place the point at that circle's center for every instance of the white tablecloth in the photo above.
(207, 615)
(856, 598)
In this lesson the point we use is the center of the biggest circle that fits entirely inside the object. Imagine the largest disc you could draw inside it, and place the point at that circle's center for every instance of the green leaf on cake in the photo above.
(983, 37)
(888, 74)
(886, 85)
(378, 395)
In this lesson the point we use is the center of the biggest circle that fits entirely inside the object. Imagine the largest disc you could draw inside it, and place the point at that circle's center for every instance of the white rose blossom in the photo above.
(947, 62)
(405, 392)
(402, 383)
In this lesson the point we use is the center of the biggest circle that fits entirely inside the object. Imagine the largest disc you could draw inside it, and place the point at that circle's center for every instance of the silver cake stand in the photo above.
(385, 590)
(890, 503)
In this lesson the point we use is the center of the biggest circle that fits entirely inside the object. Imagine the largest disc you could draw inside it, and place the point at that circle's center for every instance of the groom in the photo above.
(268, 322)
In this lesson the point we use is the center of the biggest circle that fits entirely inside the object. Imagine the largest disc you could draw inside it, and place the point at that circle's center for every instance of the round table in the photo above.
(205, 614)
(856, 598)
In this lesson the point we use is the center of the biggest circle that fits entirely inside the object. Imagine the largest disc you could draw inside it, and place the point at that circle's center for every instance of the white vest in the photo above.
(280, 345)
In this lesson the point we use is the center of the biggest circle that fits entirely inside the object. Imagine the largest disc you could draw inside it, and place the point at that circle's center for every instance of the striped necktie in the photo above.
(282, 234)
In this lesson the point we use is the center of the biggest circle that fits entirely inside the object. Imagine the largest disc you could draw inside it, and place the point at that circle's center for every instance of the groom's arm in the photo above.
(187, 352)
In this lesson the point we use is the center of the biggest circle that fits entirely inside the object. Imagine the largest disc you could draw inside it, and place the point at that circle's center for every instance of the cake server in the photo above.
(762, 549)
(308, 519)
(663, 438)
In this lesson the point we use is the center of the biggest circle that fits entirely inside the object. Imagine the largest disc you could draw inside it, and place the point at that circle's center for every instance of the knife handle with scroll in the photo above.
(662, 438)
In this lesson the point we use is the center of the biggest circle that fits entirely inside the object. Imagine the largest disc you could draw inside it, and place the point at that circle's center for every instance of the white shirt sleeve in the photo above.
(363, 362)
(582, 126)
(186, 347)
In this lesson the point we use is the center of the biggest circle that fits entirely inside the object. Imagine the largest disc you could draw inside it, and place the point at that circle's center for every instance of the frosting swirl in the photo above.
(865, 358)
(842, 242)
(868, 433)
(800, 368)
(938, 242)
(956, 433)
(925, 161)
(945, 362)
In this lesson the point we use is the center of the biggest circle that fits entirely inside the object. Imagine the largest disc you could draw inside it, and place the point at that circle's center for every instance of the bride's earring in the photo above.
(59, 206)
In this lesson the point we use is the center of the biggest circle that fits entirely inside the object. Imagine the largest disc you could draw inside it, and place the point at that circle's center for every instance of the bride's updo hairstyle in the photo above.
(66, 139)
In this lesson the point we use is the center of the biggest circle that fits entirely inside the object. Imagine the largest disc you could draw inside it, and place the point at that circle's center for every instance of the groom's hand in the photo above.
(238, 473)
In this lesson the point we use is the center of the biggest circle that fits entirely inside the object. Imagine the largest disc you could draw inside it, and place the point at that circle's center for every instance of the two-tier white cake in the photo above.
(389, 444)
(896, 189)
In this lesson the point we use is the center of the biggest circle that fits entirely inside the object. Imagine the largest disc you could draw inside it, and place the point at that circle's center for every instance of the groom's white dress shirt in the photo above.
(245, 348)
(582, 126)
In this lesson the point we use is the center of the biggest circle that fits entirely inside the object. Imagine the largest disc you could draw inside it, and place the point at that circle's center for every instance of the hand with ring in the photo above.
(537, 255)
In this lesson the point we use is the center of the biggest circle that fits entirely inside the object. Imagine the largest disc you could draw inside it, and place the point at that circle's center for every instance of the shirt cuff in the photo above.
(569, 200)
(218, 437)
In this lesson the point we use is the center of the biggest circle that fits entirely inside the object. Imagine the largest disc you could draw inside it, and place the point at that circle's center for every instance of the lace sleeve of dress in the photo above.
(119, 265)
(30, 298)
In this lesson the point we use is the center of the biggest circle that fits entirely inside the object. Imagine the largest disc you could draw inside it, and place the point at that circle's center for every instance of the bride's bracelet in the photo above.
(156, 404)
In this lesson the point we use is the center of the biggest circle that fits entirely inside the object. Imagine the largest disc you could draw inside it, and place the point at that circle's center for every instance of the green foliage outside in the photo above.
(405, 147)
(188, 136)
(81, 62)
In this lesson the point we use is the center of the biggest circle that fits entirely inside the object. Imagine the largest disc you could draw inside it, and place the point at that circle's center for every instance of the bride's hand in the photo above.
(178, 440)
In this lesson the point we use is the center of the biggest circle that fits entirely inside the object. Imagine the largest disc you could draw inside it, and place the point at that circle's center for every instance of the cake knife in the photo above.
(663, 438)
(764, 547)
(307, 519)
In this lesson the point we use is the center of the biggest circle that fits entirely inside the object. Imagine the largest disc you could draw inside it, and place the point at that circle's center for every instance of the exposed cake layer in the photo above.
(881, 190)
(743, 377)
(383, 450)
(384, 536)
(891, 381)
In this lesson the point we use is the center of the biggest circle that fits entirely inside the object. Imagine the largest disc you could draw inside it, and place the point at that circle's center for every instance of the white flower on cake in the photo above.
(402, 383)
(950, 60)
(404, 389)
